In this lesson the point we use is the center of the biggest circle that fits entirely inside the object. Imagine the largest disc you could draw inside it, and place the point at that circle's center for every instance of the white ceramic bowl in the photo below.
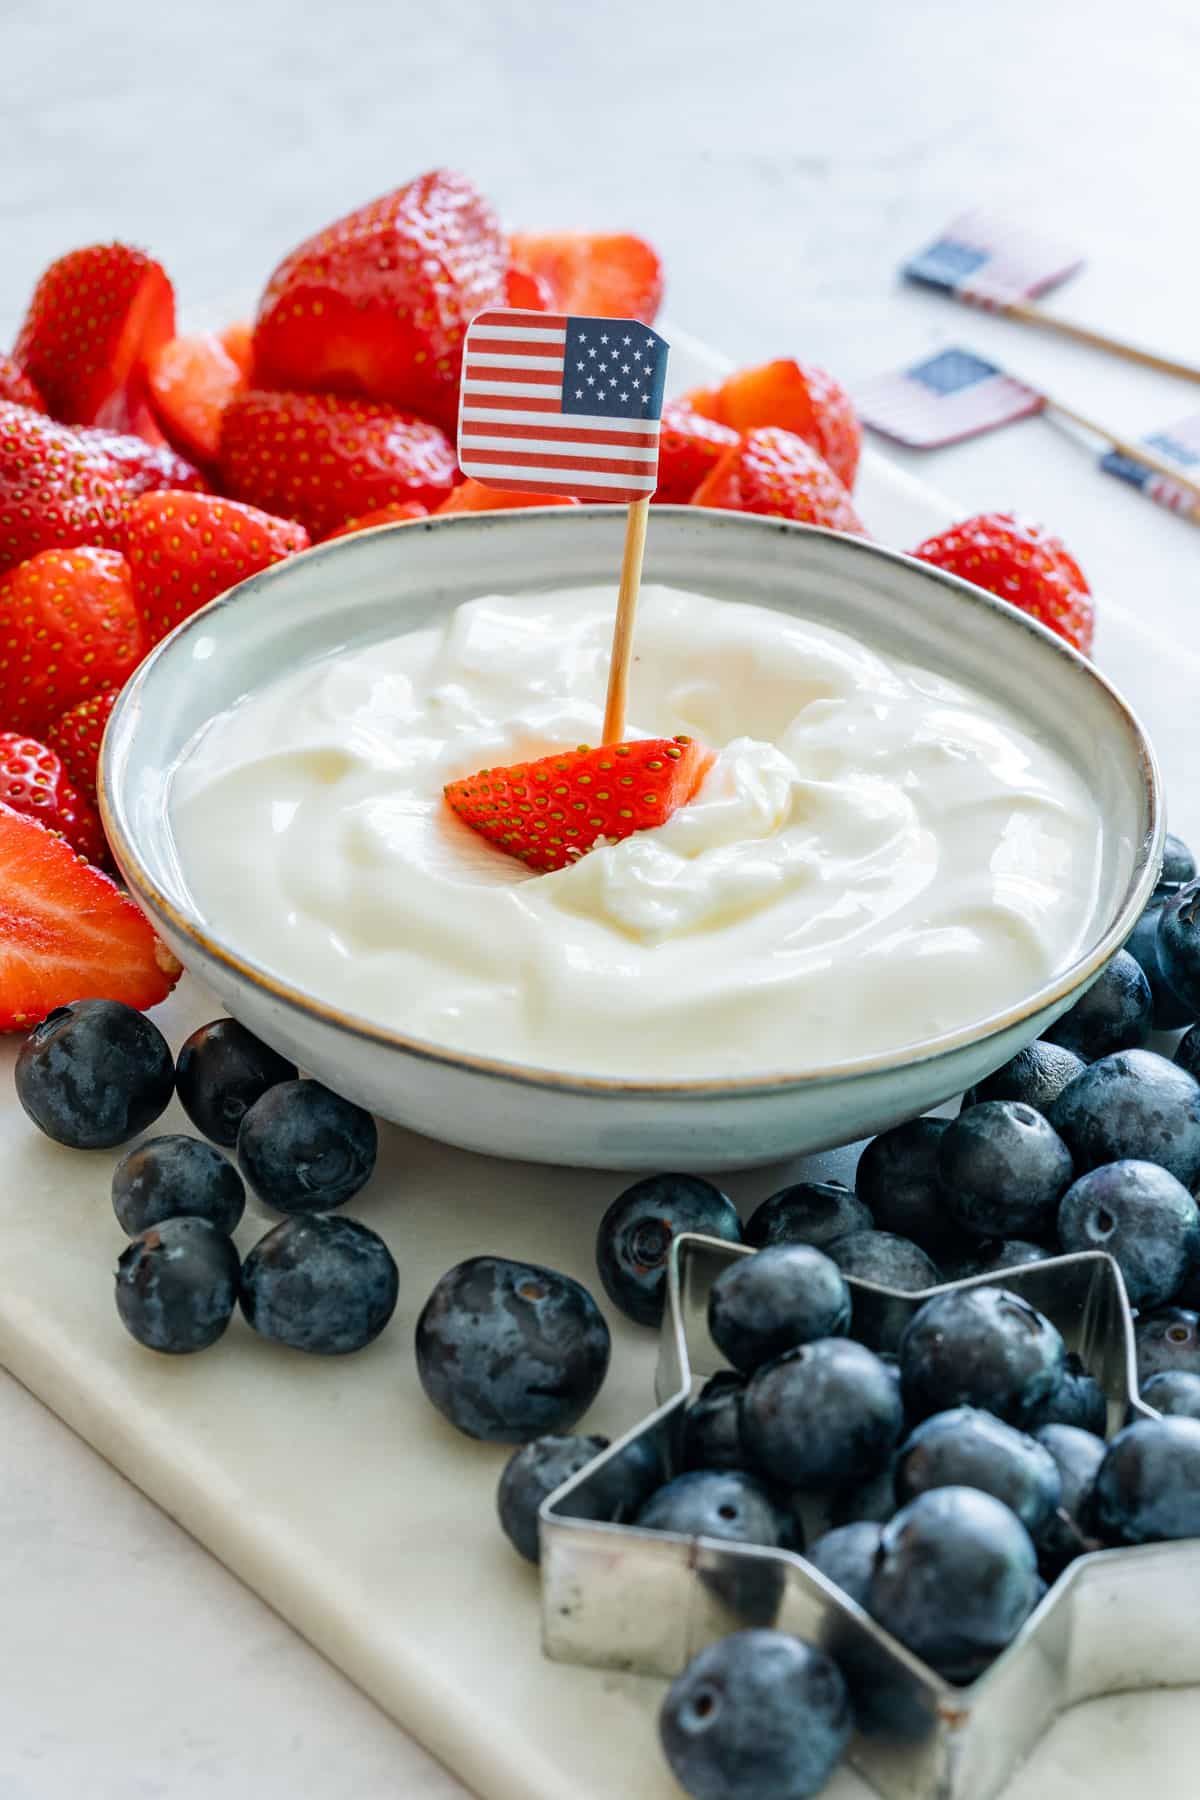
(379, 582)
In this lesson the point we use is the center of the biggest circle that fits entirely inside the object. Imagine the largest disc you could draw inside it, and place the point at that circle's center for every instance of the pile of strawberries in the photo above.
(142, 473)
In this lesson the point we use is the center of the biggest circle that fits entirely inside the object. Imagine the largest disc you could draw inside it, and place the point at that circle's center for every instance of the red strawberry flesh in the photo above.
(550, 812)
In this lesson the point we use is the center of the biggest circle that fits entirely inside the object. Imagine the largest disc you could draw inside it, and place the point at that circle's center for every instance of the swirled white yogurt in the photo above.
(875, 857)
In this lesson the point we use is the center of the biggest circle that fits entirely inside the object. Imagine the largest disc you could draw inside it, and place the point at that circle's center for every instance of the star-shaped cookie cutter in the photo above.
(646, 1602)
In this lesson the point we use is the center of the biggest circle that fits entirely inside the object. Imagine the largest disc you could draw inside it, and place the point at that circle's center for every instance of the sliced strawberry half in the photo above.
(476, 496)
(550, 812)
(776, 472)
(33, 781)
(192, 381)
(593, 274)
(66, 929)
(690, 447)
(96, 319)
(796, 397)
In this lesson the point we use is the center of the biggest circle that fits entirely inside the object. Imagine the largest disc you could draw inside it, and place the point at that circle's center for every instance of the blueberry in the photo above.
(846, 1556)
(1036, 1075)
(1179, 945)
(969, 1448)
(785, 1295)
(1187, 1052)
(716, 1503)
(1115, 1013)
(508, 1351)
(176, 1177)
(1178, 867)
(897, 1179)
(1146, 1221)
(810, 1212)
(530, 1476)
(980, 1347)
(1132, 1105)
(620, 1487)
(991, 1256)
(1169, 1011)
(177, 1285)
(757, 1716)
(823, 1415)
(887, 1261)
(633, 1243)
(873, 1499)
(94, 1074)
(1175, 1392)
(1148, 1486)
(1003, 1170)
(955, 1578)
(324, 1285)
(1077, 1455)
(1077, 1400)
(1168, 1339)
(734, 1506)
(222, 1070)
(304, 1149)
(712, 1424)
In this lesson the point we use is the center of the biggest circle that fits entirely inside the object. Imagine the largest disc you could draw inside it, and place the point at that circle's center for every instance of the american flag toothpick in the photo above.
(552, 404)
(1180, 444)
(943, 399)
(1004, 266)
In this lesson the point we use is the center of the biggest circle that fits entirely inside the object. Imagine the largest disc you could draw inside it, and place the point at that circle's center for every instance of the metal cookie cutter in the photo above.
(619, 1598)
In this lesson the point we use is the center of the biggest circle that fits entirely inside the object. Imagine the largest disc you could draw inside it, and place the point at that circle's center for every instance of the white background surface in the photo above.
(785, 157)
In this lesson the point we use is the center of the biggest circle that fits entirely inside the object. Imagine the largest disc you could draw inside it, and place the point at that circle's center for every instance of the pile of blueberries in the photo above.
(95, 1074)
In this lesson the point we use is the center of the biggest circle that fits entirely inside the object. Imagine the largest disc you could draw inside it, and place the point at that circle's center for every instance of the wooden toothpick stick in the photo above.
(1027, 313)
(627, 599)
(1139, 453)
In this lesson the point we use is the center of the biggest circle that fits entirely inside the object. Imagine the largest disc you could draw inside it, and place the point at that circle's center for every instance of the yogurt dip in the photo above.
(877, 855)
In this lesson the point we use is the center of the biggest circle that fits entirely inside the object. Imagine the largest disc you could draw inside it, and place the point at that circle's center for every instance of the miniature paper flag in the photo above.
(1181, 443)
(992, 262)
(558, 405)
(946, 398)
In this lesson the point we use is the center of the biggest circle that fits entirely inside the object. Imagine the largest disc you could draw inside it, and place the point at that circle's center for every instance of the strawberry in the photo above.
(1023, 564)
(185, 549)
(96, 318)
(323, 459)
(33, 781)
(476, 496)
(55, 488)
(75, 739)
(773, 471)
(548, 813)
(16, 386)
(377, 304)
(67, 929)
(798, 398)
(611, 277)
(522, 289)
(237, 341)
(192, 381)
(144, 468)
(689, 446)
(68, 629)
(400, 512)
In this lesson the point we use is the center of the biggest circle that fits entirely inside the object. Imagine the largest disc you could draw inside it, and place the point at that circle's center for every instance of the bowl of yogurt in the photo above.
(927, 825)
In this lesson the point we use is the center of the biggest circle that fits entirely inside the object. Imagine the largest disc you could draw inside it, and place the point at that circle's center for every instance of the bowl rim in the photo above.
(297, 1000)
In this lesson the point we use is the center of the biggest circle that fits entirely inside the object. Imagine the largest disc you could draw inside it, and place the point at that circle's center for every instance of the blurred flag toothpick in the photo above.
(1004, 267)
(955, 394)
(551, 404)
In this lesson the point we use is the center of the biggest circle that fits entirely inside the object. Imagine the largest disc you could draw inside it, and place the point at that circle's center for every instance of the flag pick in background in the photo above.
(992, 261)
(559, 405)
(947, 397)
(1003, 266)
(1180, 444)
